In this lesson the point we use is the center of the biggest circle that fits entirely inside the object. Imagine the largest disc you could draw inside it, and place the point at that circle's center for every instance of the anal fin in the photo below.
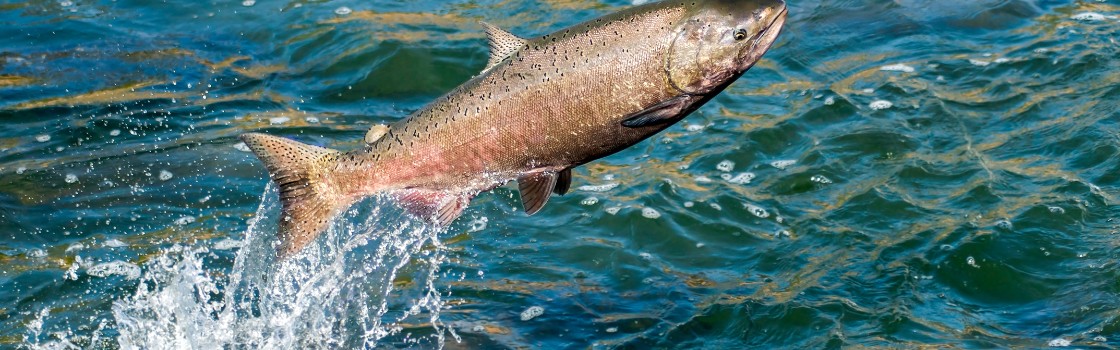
(441, 208)
(535, 189)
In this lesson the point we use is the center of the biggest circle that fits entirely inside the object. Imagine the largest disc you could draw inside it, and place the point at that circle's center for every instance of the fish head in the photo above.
(719, 40)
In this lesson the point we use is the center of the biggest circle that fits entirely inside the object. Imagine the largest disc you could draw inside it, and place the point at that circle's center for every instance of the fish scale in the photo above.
(539, 108)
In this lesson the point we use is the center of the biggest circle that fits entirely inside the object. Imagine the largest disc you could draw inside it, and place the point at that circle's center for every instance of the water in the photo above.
(976, 210)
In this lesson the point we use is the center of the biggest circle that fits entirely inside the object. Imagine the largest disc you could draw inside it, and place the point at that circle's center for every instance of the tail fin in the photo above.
(307, 200)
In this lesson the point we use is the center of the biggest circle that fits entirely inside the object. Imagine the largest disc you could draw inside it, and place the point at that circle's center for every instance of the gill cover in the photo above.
(709, 47)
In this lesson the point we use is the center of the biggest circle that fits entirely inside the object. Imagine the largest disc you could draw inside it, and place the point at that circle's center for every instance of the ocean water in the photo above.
(897, 174)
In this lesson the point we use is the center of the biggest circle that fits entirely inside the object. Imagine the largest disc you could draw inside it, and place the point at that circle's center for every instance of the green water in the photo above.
(892, 174)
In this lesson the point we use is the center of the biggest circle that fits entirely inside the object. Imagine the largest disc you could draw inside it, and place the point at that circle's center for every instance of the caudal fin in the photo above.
(308, 201)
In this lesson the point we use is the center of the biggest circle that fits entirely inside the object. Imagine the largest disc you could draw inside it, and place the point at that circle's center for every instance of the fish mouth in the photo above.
(763, 40)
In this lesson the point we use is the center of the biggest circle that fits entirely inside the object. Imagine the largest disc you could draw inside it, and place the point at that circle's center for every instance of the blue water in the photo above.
(900, 173)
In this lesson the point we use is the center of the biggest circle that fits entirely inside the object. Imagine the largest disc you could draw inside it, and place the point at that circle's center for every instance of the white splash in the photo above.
(897, 68)
(119, 268)
(1091, 16)
(739, 179)
(531, 313)
(725, 166)
(783, 164)
(880, 104)
(598, 188)
(339, 292)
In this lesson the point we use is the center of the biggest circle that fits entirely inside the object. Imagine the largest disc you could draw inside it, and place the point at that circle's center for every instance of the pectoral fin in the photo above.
(535, 189)
(664, 112)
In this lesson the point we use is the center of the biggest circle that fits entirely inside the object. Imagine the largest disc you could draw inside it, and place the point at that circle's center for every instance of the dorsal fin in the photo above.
(502, 44)
(535, 189)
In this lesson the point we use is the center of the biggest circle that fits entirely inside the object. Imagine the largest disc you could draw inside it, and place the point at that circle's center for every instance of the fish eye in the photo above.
(740, 34)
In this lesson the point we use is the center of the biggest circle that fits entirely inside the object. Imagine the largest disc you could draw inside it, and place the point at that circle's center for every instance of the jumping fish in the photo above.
(540, 107)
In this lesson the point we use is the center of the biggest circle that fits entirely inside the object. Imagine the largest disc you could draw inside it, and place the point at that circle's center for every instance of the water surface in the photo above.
(892, 174)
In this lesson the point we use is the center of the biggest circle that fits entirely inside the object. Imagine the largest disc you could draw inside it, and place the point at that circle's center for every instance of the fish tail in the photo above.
(309, 200)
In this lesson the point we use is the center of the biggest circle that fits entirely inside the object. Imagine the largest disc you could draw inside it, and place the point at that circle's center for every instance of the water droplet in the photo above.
(114, 132)
(1057, 210)
(43, 138)
(880, 104)
(531, 313)
(75, 247)
(689, 204)
(589, 201)
(185, 220)
(478, 224)
(1090, 16)
(1059, 343)
(312, 120)
(248, 3)
(1004, 224)
(342, 11)
(119, 268)
(612, 329)
(1100, 338)
(725, 166)
(739, 179)
(972, 262)
(821, 179)
(829, 101)
(694, 127)
(598, 188)
(114, 243)
(703, 179)
(699, 245)
(227, 244)
(71, 178)
(165, 175)
(757, 210)
(783, 164)
(650, 213)
(65, 3)
(897, 68)
(716, 206)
